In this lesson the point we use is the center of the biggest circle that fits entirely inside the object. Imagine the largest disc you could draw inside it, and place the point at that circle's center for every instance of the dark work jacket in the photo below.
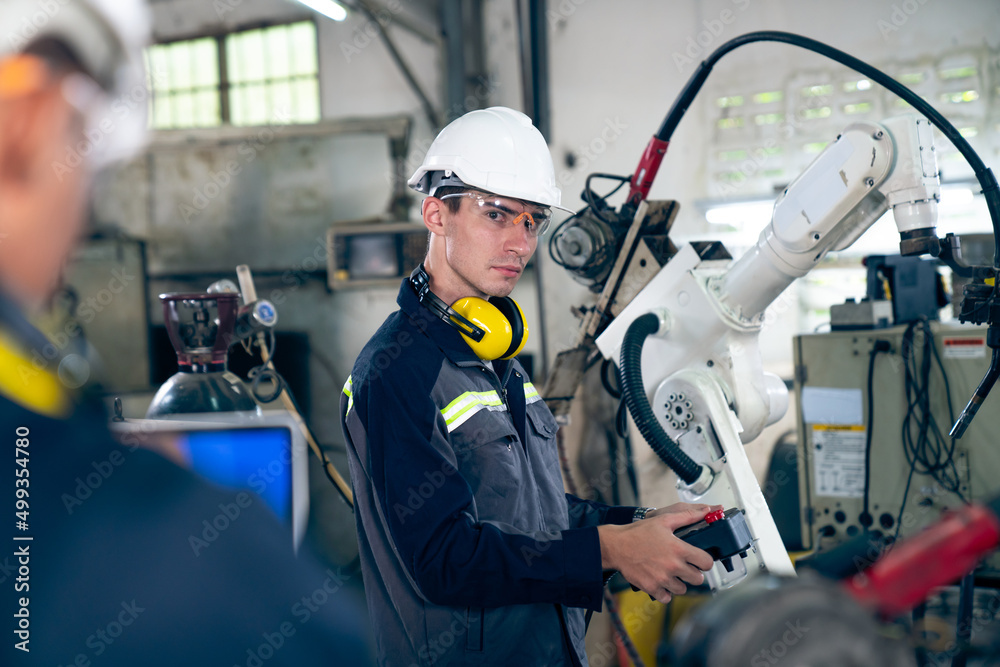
(472, 553)
(112, 575)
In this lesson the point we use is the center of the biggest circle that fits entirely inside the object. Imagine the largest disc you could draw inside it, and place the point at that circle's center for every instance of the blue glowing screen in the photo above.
(258, 459)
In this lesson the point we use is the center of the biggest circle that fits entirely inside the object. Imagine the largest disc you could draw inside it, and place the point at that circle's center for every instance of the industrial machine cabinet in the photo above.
(831, 387)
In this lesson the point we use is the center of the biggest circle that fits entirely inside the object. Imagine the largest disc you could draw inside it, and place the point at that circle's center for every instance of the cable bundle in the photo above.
(928, 449)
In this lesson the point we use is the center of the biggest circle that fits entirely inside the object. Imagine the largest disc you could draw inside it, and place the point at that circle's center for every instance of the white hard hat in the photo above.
(496, 150)
(108, 38)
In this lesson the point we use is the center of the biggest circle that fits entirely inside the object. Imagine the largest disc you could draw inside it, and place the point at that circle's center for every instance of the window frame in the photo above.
(225, 86)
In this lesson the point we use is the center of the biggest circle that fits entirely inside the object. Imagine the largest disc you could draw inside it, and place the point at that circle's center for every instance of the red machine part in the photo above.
(645, 173)
(938, 556)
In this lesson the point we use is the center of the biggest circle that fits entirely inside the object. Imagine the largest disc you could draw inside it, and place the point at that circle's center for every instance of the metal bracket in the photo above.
(644, 251)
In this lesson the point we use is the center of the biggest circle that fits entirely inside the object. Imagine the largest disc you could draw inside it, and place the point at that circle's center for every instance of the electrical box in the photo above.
(831, 387)
(373, 254)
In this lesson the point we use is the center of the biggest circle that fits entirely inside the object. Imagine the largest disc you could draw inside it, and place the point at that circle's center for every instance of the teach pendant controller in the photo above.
(723, 534)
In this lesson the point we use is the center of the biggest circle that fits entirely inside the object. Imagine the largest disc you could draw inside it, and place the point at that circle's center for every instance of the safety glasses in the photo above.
(114, 129)
(504, 212)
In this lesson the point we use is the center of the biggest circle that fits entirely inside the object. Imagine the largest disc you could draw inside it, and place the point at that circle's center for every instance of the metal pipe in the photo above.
(425, 101)
(454, 47)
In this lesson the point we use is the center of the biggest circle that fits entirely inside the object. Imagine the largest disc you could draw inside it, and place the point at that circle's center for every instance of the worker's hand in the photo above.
(680, 507)
(650, 557)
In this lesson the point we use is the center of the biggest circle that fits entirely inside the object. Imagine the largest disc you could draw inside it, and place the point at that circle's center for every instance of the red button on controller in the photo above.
(712, 517)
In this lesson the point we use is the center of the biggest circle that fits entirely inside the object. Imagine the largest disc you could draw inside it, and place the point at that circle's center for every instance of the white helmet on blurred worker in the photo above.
(496, 150)
(107, 38)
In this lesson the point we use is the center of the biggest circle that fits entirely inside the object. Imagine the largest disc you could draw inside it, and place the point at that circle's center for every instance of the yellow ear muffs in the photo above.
(502, 320)
(518, 325)
(494, 329)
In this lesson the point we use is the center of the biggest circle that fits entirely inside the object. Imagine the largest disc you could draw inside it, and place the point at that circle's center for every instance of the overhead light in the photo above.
(329, 8)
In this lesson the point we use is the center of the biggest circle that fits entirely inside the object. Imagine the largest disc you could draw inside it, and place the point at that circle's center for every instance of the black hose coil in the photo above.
(638, 405)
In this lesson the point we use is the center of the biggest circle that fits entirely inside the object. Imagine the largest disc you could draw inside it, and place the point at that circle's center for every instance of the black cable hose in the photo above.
(616, 496)
(269, 372)
(918, 452)
(880, 346)
(991, 191)
(621, 426)
(261, 374)
(926, 447)
(615, 392)
(963, 624)
(621, 419)
(616, 619)
(638, 404)
(986, 384)
(633, 480)
(592, 201)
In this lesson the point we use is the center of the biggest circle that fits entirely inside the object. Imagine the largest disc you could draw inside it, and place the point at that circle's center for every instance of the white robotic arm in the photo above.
(867, 170)
(702, 370)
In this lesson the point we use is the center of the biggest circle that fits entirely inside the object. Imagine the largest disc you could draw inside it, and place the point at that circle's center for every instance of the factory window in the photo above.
(732, 155)
(184, 79)
(768, 97)
(730, 176)
(854, 86)
(819, 112)
(957, 73)
(730, 101)
(960, 97)
(273, 75)
(253, 77)
(858, 107)
(768, 118)
(817, 91)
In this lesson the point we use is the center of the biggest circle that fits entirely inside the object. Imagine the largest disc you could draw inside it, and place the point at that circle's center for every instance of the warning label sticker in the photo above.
(964, 347)
(839, 456)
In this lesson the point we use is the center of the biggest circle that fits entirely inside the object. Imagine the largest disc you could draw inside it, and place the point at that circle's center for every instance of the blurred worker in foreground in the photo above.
(98, 565)
(471, 551)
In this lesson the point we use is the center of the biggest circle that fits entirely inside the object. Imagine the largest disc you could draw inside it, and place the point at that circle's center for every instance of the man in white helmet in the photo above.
(471, 551)
(98, 566)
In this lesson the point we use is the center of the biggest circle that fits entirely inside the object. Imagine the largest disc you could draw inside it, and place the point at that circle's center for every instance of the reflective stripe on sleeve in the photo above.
(348, 388)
